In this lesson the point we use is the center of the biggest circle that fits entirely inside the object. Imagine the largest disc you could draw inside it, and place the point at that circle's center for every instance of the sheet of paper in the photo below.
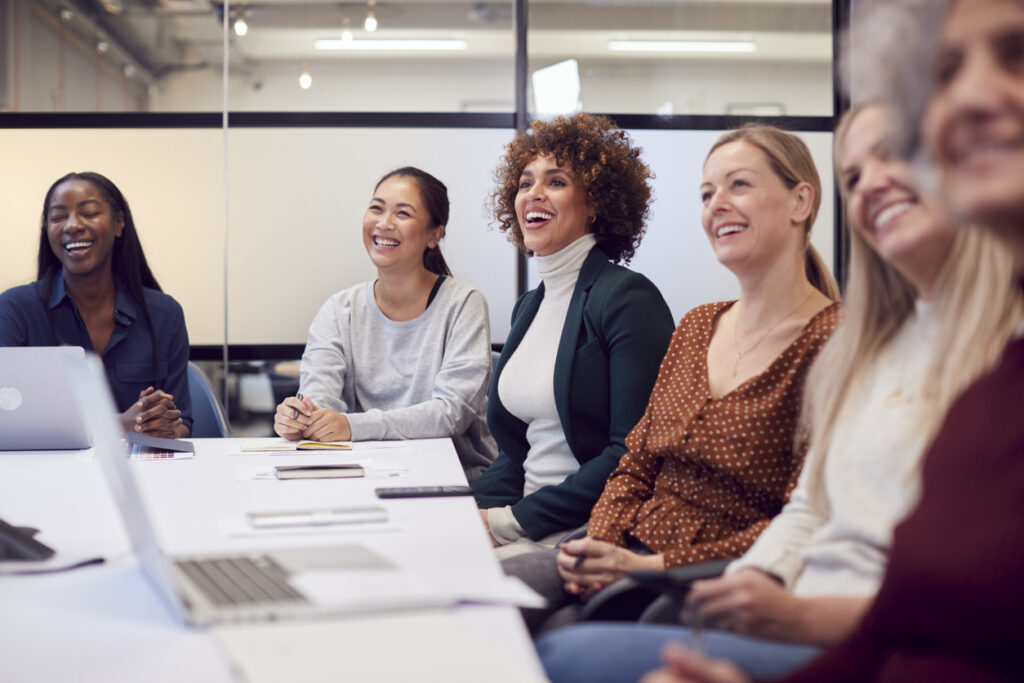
(145, 453)
(497, 590)
(371, 588)
(239, 527)
(375, 469)
(282, 447)
(138, 453)
(373, 649)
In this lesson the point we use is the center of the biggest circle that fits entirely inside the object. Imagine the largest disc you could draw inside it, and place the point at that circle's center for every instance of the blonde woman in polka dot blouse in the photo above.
(716, 453)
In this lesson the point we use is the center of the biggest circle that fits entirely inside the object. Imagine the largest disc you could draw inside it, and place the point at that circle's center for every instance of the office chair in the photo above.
(208, 418)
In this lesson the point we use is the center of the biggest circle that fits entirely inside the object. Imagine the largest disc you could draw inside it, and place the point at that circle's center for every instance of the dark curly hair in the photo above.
(607, 167)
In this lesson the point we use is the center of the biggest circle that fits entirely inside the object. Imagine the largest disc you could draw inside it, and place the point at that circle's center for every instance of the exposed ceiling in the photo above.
(163, 36)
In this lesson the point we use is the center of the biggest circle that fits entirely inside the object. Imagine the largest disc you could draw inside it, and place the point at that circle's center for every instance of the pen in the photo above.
(581, 556)
(295, 415)
(697, 631)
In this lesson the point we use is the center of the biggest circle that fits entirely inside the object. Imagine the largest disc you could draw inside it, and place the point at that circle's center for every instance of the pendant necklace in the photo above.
(736, 341)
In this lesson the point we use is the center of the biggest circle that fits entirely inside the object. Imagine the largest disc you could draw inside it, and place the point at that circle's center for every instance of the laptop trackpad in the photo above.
(328, 557)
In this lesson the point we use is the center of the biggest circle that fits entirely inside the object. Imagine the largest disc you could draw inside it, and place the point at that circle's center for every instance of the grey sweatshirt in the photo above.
(422, 378)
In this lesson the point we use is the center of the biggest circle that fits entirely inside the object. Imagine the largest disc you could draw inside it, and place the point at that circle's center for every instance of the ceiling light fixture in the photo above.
(102, 46)
(305, 78)
(241, 27)
(66, 14)
(128, 70)
(706, 46)
(384, 45)
(371, 17)
(346, 31)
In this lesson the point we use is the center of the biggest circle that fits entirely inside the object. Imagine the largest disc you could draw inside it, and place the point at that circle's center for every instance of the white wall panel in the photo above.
(675, 253)
(297, 197)
(173, 182)
(297, 201)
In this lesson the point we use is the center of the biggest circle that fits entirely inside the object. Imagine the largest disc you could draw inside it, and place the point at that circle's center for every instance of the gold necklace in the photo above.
(736, 340)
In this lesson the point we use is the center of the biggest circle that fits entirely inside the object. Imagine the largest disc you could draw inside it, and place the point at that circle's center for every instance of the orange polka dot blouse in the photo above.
(702, 476)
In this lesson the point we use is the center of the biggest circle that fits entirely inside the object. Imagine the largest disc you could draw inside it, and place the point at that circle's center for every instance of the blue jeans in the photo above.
(620, 653)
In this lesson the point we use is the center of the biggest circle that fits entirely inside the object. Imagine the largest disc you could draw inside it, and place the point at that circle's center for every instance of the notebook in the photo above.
(283, 445)
(240, 587)
(37, 409)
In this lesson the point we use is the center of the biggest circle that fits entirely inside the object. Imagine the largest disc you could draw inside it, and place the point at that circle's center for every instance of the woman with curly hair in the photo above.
(717, 452)
(575, 194)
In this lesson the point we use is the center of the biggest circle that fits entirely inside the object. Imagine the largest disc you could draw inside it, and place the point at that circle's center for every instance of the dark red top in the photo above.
(951, 606)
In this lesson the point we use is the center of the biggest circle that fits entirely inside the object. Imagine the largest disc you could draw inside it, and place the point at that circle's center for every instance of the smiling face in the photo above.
(396, 225)
(81, 228)
(550, 206)
(883, 204)
(974, 124)
(749, 215)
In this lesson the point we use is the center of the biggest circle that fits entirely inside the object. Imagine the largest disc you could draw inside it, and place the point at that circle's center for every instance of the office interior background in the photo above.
(247, 137)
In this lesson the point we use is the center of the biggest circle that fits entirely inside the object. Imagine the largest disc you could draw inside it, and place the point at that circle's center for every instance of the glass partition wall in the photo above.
(253, 224)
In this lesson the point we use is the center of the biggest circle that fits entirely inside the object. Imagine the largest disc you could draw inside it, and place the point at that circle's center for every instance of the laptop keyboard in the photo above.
(241, 580)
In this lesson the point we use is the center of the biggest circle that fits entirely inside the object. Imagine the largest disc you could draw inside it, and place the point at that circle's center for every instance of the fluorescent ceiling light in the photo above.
(682, 46)
(370, 45)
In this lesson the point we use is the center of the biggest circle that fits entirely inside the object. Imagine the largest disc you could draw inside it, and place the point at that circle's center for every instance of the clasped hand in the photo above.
(587, 564)
(154, 414)
(748, 601)
(311, 422)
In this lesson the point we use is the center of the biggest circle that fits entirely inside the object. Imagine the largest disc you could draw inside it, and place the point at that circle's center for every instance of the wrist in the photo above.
(801, 624)
(652, 563)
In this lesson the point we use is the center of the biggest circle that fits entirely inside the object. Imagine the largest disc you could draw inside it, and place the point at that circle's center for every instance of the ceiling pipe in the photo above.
(92, 33)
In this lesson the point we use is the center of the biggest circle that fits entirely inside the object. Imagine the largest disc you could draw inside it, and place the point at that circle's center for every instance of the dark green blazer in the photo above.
(616, 332)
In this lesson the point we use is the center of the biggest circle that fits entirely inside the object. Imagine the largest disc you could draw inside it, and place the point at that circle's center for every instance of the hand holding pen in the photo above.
(293, 417)
(589, 564)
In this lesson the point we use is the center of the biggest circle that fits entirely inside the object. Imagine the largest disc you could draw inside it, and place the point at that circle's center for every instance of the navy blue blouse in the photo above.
(128, 358)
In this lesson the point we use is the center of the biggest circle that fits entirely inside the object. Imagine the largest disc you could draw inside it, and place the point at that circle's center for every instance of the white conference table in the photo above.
(105, 623)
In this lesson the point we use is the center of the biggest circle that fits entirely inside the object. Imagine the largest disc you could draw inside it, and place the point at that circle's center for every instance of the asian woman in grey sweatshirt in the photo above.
(408, 355)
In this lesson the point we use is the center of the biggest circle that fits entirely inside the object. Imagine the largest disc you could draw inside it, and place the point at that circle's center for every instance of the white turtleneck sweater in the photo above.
(834, 535)
(526, 386)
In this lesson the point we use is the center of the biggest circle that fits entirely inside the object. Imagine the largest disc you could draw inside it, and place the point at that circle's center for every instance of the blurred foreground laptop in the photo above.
(37, 409)
(239, 587)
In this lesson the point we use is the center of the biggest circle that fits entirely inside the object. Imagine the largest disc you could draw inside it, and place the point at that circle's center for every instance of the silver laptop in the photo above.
(234, 587)
(37, 409)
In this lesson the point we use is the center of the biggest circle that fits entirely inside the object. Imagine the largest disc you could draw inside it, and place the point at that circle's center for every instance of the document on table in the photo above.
(283, 447)
(290, 446)
(374, 469)
(389, 647)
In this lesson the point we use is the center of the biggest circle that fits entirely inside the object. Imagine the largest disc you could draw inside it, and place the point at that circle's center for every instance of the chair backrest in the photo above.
(208, 418)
